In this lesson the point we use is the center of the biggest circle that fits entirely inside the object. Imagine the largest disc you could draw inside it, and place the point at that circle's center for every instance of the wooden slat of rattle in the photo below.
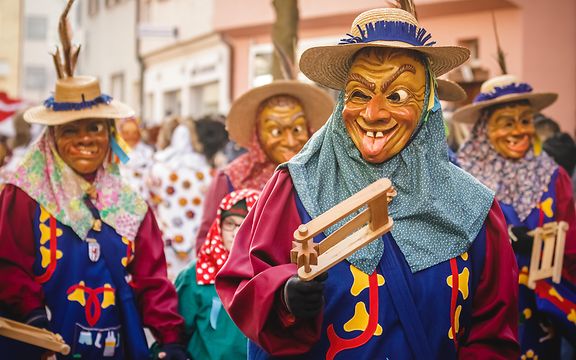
(343, 209)
(33, 335)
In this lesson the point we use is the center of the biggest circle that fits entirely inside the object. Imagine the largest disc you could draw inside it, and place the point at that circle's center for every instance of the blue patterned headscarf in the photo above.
(439, 209)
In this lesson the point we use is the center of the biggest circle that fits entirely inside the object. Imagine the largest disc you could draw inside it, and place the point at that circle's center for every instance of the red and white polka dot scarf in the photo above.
(213, 254)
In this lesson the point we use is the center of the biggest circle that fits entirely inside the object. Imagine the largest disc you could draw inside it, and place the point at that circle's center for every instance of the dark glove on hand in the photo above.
(305, 299)
(38, 318)
(173, 351)
(523, 245)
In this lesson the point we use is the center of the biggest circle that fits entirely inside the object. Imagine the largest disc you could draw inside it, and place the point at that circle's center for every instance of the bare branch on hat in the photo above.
(408, 5)
(286, 65)
(66, 41)
(501, 57)
(58, 63)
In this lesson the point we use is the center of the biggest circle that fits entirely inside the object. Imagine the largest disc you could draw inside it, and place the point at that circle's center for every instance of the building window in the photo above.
(472, 45)
(36, 27)
(4, 68)
(93, 6)
(35, 78)
(172, 103)
(117, 86)
(204, 99)
(110, 3)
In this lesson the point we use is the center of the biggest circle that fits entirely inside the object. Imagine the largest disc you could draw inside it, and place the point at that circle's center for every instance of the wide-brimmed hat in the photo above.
(499, 90)
(450, 91)
(76, 98)
(387, 28)
(241, 120)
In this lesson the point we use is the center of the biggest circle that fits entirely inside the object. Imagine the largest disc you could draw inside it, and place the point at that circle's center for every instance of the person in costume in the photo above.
(441, 284)
(504, 154)
(213, 335)
(273, 122)
(136, 169)
(78, 241)
(178, 182)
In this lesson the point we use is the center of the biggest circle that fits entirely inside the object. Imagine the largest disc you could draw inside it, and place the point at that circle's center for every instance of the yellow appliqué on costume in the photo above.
(78, 294)
(45, 253)
(45, 233)
(572, 316)
(361, 281)
(360, 320)
(456, 322)
(523, 276)
(129, 251)
(553, 292)
(546, 207)
(464, 256)
(462, 282)
(109, 297)
(529, 355)
(527, 313)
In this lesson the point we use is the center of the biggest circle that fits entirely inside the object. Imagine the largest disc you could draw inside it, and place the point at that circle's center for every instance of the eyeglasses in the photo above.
(230, 224)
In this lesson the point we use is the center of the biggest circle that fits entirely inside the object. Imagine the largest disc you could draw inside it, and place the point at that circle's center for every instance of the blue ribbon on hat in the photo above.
(514, 88)
(50, 103)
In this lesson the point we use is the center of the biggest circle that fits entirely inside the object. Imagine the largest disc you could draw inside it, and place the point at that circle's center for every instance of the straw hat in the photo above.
(450, 91)
(387, 28)
(317, 105)
(76, 98)
(500, 90)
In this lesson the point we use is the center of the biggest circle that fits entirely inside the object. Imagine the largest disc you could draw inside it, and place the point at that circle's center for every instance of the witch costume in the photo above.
(532, 191)
(440, 285)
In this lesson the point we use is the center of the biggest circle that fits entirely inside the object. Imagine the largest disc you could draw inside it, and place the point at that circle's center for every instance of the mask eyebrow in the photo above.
(400, 71)
(362, 80)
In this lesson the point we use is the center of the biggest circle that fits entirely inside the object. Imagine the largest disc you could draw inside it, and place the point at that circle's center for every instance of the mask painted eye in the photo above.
(359, 96)
(275, 132)
(298, 129)
(398, 96)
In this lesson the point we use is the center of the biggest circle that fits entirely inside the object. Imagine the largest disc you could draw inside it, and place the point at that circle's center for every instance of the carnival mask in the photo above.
(83, 144)
(384, 97)
(282, 128)
(130, 132)
(510, 130)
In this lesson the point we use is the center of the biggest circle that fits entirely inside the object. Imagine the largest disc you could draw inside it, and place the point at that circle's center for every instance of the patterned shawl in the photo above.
(46, 178)
(250, 170)
(519, 183)
(213, 254)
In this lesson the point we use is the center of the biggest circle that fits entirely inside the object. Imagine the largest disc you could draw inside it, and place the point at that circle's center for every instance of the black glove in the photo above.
(38, 318)
(305, 299)
(523, 243)
(173, 351)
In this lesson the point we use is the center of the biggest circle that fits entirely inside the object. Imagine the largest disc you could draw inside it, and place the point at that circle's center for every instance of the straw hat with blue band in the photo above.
(500, 90)
(329, 65)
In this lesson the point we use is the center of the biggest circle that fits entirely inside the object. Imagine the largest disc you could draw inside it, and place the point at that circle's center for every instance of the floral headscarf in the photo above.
(519, 183)
(46, 178)
(213, 254)
(250, 170)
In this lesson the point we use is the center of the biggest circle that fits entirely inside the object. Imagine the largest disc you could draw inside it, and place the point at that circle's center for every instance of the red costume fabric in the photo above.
(250, 283)
(155, 295)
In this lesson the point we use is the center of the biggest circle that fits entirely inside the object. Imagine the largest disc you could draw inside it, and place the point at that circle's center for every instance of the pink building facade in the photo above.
(538, 38)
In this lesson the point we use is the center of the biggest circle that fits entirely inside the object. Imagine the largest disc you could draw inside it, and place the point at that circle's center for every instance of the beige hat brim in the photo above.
(241, 120)
(471, 113)
(46, 116)
(329, 65)
(450, 91)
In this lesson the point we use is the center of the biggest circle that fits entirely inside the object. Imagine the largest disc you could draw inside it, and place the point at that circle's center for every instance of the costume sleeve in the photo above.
(494, 326)
(218, 189)
(187, 301)
(19, 292)
(254, 275)
(155, 294)
(565, 212)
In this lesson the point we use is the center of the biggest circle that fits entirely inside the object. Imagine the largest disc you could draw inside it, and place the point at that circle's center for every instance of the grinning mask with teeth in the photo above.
(510, 129)
(384, 97)
(83, 144)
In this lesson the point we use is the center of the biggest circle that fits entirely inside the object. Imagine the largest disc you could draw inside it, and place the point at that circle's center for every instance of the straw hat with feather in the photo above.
(387, 28)
(75, 97)
(500, 90)
(241, 120)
